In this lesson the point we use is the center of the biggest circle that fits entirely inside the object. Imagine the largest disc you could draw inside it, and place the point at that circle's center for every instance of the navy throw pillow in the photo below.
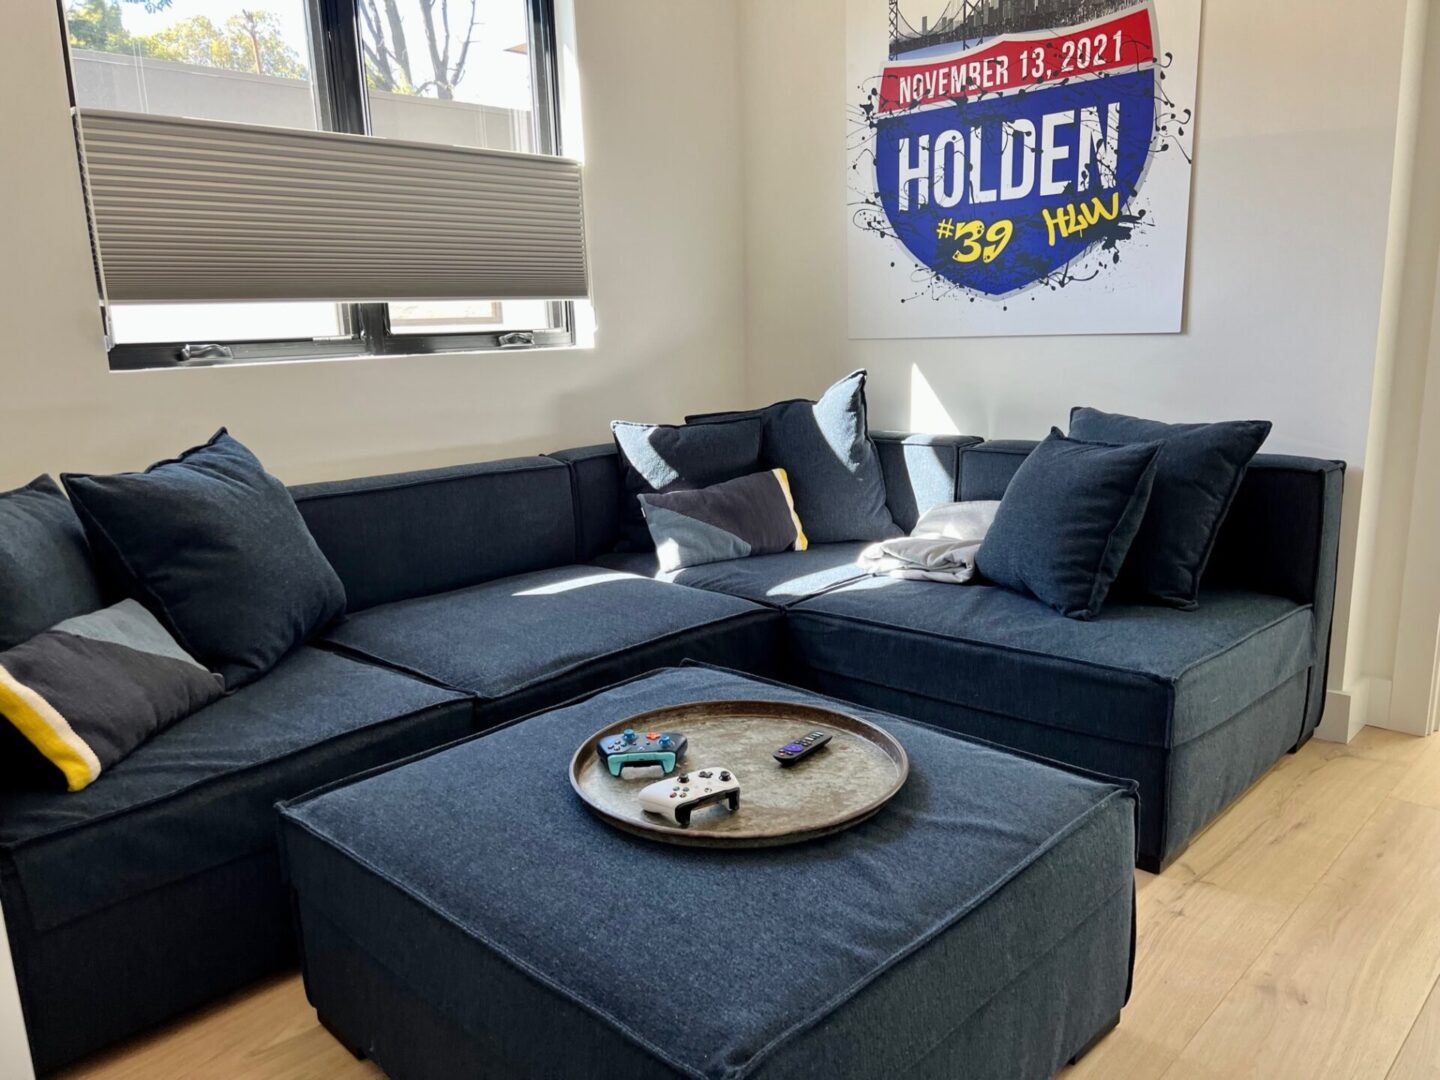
(835, 474)
(1067, 521)
(213, 545)
(1197, 474)
(663, 457)
(45, 572)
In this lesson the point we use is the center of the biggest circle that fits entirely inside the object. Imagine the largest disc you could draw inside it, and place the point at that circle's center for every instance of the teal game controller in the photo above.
(633, 749)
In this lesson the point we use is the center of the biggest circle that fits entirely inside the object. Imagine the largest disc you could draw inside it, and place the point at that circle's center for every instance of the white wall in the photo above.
(664, 203)
(1397, 594)
(1294, 147)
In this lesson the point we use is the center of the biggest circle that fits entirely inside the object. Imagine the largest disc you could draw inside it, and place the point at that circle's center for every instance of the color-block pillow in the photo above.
(1067, 521)
(835, 473)
(665, 457)
(1197, 474)
(213, 545)
(45, 571)
(88, 691)
(752, 515)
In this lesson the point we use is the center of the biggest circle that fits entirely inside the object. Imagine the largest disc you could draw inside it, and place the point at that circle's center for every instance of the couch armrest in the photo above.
(598, 491)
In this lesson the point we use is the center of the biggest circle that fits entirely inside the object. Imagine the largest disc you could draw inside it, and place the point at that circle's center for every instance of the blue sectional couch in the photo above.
(482, 593)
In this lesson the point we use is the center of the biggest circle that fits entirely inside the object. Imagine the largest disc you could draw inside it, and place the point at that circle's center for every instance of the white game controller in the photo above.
(679, 796)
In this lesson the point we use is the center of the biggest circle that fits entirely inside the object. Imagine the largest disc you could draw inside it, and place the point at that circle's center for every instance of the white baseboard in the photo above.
(1342, 719)
(14, 1046)
(1366, 703)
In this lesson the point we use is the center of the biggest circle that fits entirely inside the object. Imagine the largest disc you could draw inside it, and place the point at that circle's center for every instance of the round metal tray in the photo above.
(840, 785)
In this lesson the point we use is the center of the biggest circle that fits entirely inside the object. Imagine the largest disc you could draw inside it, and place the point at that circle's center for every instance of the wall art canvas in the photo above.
(1019, 166)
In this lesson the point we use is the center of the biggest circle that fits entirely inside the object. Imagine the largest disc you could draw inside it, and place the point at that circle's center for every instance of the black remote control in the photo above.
(807, 744)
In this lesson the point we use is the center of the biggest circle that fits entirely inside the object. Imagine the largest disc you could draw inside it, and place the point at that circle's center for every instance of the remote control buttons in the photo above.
(725, 777)
(665, 741)
(628, 735)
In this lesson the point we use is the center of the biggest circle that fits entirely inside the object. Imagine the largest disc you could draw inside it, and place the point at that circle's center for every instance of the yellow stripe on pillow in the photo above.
(48, 731)
(800, 542)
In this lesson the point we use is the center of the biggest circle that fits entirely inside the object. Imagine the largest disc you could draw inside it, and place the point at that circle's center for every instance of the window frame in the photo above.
(342, 102)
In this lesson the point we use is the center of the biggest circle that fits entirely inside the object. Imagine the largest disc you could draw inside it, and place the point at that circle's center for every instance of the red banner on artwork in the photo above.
(1113, 45)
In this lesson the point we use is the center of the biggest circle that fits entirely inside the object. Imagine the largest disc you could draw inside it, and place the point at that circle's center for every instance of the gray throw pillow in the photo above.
(751, 515)
(87, 692)
(664, 457)
(45, 570)
(835, 474)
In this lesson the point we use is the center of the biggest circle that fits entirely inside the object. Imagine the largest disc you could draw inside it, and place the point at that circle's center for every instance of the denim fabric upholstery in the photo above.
(664, 457)
(45, 571)
(1197, 473)
(212, 544)
(921, 471)
(165, 833)
(597, 489)
(989, 883)
(1181, 788)
(1139, 673)
(414, 534)
(1281, 536)
(775, 580)
(495, 639)
(1067, 521)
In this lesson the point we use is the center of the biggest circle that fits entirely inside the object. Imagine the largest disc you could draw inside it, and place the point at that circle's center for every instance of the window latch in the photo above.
(520, 339)
(199, 355)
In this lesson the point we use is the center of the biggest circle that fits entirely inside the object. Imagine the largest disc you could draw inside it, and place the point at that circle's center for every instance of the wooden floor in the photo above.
(1298, 937)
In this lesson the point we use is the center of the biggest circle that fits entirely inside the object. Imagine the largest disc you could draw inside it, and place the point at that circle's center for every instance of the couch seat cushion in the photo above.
(509, 909)
(504, 636)
(777, 580)
(1138, 673)
(199, 794)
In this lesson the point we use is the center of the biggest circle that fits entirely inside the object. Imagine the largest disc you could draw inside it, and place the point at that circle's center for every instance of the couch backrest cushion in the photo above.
(46, 575)
(598, 489)
(921, 471)
(414, 534)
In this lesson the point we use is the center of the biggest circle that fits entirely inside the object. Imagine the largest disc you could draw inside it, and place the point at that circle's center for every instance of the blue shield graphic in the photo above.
(998, 192)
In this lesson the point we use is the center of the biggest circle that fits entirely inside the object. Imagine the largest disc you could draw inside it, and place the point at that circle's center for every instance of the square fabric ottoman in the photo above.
(463, 914)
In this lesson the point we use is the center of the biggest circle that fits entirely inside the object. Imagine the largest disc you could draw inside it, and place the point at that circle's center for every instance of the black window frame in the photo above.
(343, 104)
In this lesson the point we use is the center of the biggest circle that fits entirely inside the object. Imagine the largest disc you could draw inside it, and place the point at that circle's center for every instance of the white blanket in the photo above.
(941, 547)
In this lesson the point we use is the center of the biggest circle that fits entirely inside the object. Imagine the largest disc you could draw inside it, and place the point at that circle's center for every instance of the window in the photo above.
(479, 73)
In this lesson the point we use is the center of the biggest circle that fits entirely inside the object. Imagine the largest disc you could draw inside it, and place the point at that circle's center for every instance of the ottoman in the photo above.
(462, 914)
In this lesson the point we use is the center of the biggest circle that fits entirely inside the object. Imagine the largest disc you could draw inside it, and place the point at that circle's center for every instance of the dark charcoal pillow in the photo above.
(824, 447)
(45, 571)
(85, 693)
(1067, 521)
(1197, 474)
(664, 457)
(752, 515)
(213, 545)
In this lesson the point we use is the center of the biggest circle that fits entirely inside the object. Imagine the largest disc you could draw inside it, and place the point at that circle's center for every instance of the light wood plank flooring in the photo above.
(1298, 937)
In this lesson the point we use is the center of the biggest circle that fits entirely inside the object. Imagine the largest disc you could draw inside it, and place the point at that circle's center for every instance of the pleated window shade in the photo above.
(199, 210)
